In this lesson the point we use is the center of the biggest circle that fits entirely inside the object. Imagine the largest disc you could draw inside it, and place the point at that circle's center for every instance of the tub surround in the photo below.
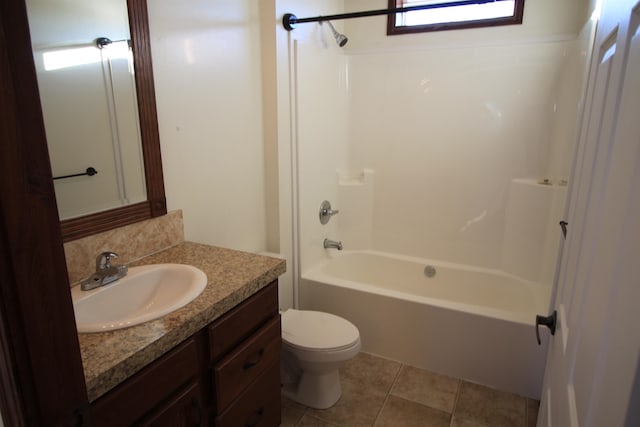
(109, 358)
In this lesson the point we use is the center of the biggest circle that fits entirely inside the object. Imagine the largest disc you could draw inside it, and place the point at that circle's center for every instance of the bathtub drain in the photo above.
(429, 271)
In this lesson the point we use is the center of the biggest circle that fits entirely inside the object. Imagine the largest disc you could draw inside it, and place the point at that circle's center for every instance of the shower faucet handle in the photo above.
(326, 212)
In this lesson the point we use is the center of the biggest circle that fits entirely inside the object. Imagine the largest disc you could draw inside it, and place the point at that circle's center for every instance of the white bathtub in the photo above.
(471, 323)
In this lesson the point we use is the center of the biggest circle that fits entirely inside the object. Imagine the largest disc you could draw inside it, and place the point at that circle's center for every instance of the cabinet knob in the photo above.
(254, 361)
(255, 418)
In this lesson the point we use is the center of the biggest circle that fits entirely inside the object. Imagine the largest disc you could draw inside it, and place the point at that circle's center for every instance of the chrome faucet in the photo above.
(105, 272)
(328, 244)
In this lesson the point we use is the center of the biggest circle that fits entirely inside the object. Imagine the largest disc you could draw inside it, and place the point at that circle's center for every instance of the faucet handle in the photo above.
(107, 260)
(326, 212)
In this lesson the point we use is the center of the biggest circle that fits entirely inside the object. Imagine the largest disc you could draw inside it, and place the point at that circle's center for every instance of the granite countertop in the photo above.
(111, 357)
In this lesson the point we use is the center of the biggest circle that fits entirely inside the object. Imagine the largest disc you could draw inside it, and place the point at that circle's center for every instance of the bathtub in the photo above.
(470, 323)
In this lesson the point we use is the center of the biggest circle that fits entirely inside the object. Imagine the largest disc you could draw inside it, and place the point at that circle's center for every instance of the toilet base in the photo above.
(315, 390)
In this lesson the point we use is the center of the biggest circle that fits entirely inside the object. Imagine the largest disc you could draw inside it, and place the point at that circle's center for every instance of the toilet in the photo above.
(314, 346)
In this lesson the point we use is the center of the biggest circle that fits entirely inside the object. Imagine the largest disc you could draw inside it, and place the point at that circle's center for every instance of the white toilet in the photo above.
(314, 346)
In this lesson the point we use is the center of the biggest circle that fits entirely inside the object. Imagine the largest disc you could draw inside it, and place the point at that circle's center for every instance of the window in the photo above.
(486, 13)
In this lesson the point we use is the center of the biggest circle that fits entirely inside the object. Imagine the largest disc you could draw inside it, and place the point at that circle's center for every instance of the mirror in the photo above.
(99, 114)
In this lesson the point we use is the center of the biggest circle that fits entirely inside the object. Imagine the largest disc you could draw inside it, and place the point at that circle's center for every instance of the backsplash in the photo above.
(130, 243)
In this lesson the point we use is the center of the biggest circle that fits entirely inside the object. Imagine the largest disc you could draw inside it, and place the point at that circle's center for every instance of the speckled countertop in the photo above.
(111, 357)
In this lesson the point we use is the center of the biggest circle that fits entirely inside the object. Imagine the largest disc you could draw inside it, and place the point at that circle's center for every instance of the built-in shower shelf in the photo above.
(355, 179)
(542, 182)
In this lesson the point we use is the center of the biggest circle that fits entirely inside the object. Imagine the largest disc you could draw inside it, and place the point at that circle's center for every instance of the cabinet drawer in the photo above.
(133, 399)
(236, 371)
(183, 410)
(232, 328)
(259, 405)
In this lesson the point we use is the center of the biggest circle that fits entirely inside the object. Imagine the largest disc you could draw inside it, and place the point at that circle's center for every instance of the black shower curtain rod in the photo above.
(289, 20)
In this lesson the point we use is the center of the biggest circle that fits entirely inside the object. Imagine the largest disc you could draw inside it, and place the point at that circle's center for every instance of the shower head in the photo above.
(341, 39)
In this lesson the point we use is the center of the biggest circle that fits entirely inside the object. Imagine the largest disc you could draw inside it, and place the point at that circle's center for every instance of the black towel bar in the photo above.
(90, 171)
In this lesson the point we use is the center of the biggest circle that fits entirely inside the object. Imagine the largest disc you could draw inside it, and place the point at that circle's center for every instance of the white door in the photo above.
(593, 358)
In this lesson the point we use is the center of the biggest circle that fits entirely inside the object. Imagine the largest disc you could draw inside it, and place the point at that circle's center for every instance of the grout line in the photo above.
(395, 380)
(303, 414)
(455, 402)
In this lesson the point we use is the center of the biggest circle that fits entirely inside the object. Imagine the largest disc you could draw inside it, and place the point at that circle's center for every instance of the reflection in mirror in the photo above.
(138, 27)
(85, 70)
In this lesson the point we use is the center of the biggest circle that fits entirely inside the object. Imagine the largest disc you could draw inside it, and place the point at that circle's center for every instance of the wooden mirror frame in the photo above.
(156, 204)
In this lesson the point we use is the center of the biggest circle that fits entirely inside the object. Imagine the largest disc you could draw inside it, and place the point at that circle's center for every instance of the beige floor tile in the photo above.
(387, 393)
(291, 412)
(430, 389)
(490, 407)
(400, 412)
(292, 404)
(457, 422)
(533, 406)
(358, 406)
(310, 421)
(371, 371)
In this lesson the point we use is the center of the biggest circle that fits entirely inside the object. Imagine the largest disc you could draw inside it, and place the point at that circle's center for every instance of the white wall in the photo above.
(224, 104)
(207, 66)
(542, 18)
(449, 120)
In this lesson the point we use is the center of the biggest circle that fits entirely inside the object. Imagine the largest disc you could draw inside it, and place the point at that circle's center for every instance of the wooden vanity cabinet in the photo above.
(228, 374)
(244, 353)
(167, 392)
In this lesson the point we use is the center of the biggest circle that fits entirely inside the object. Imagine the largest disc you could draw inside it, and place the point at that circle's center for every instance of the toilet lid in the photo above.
(315, 330)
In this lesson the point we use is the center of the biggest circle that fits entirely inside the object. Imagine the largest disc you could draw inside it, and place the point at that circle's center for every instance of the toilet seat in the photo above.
(317, 331)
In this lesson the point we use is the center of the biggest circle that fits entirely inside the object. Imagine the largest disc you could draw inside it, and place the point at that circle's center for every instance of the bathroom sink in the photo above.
(145, 293)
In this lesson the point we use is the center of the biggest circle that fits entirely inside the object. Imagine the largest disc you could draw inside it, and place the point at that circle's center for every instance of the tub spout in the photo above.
(328, 244)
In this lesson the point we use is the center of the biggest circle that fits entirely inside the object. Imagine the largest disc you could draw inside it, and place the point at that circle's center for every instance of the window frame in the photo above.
(393, 30)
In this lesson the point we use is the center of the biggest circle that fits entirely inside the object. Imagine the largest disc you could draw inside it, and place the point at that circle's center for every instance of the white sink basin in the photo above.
(145, 293)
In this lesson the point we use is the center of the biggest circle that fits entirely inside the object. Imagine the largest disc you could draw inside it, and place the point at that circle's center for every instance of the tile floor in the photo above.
(380, 392)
